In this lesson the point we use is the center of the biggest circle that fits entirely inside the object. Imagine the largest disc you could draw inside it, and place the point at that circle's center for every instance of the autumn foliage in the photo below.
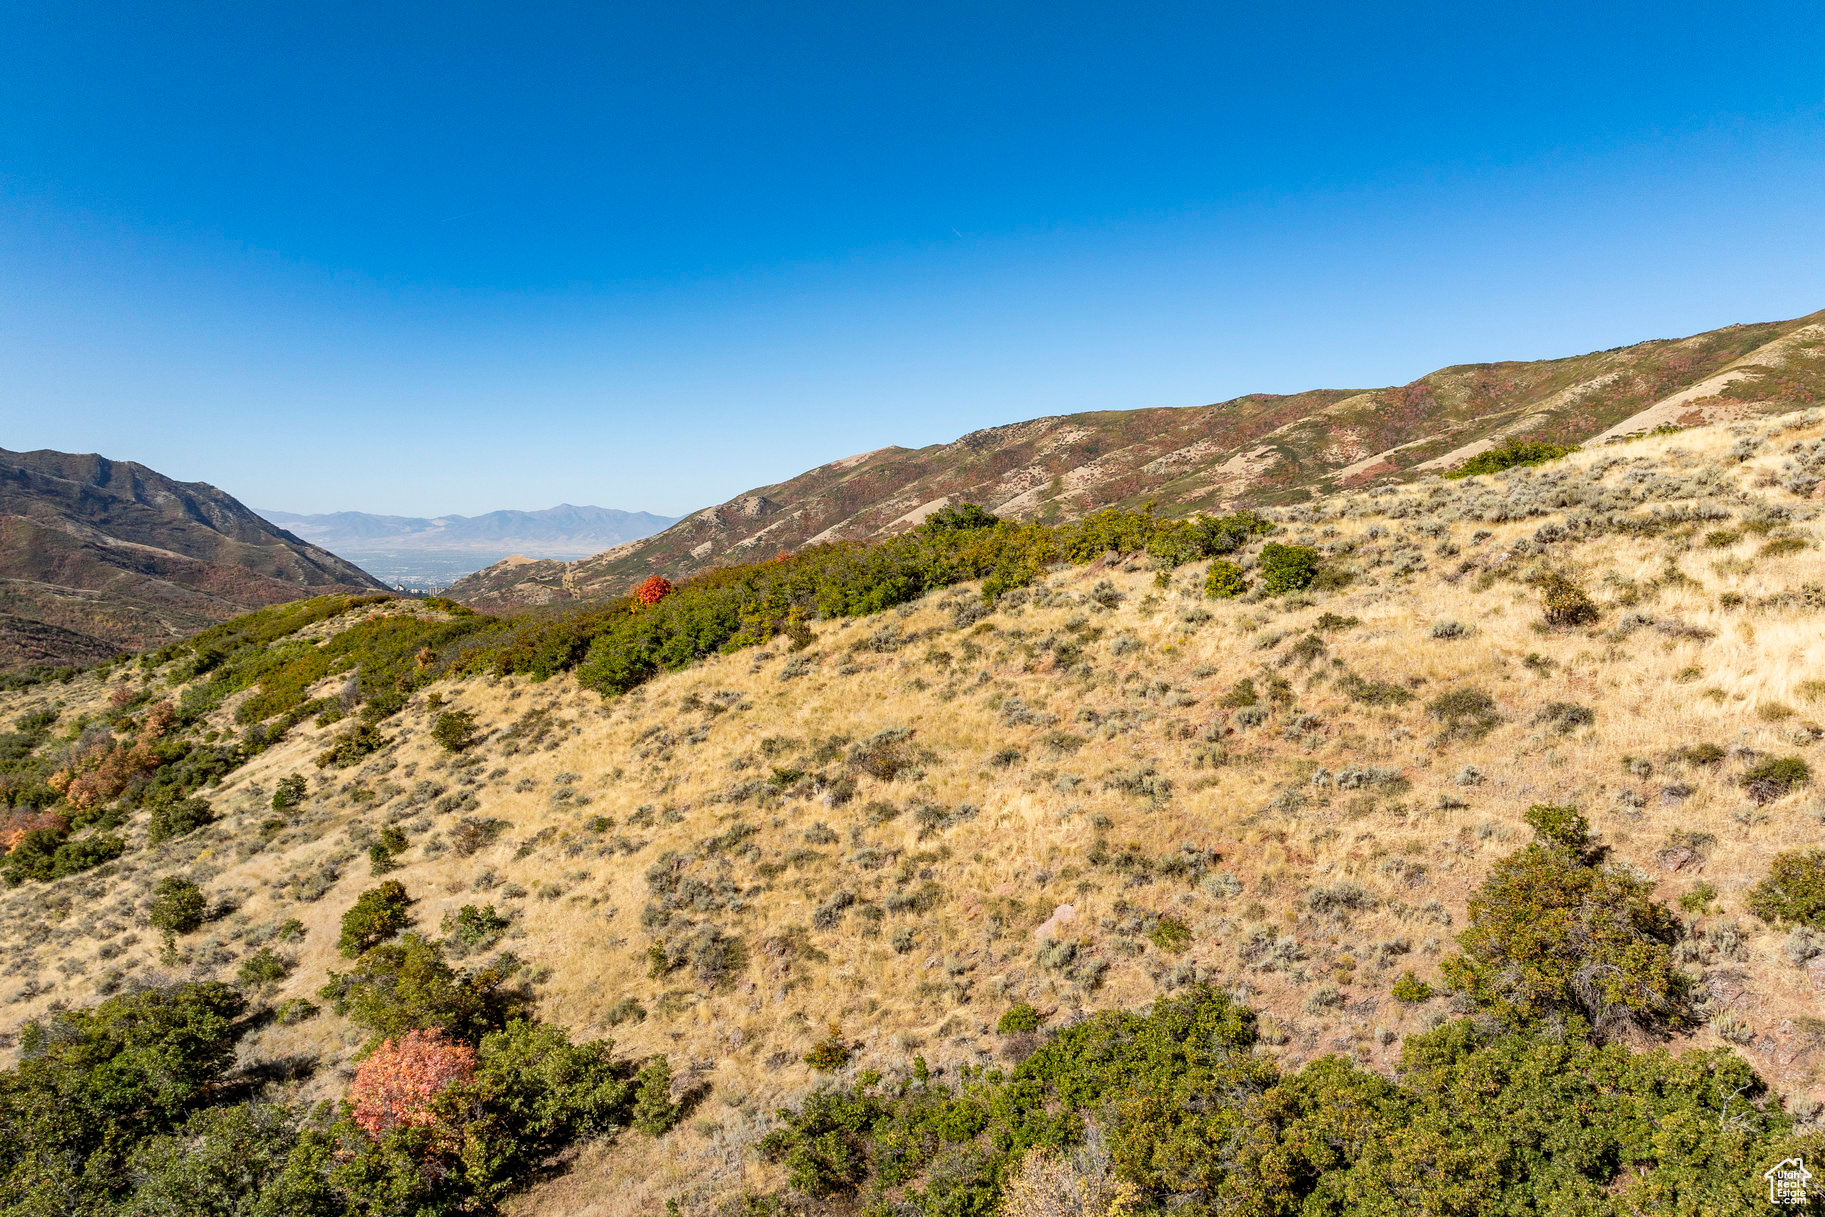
(655, 589)
(398, 1084)
(15, 824)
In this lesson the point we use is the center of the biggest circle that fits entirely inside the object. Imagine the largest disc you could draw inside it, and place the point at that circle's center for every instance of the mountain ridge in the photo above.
(1255, 449)
(98, 556)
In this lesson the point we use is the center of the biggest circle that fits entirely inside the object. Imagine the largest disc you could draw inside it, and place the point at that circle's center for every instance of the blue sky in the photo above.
(422, 258)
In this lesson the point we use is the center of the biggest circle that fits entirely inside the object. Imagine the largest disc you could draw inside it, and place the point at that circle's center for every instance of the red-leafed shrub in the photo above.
(398, 1084)
(655, 589)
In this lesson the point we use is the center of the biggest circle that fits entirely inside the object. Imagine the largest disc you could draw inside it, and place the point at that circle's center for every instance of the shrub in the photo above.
(1288, 568)
(654, 1112)
(377, 915)
(1017, 1018)
(1374, 692)
(1562, 825)
(290, 792)
(346, 749)
(1411, 989)
(1794, 891)
(41, 854)
(654, 589)
(398, 1084)
(397, 986)
(964, 517)
(830, 1053)
(1448, 630)
(1225, 580)
(1565, 717)
(177, 906)
(454, 730)
(1170, 934)
(1566, 603)
(1466, 713)
(471, 929)
(262, 970)
(1772, 777)
(1509, 455)
(176, 818)
(1553, 937)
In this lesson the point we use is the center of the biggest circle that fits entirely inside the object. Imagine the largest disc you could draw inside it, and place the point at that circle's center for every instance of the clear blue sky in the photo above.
(455, 257)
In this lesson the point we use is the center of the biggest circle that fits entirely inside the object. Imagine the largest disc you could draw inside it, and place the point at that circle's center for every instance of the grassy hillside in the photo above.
(1463, 848)
(1259, 449)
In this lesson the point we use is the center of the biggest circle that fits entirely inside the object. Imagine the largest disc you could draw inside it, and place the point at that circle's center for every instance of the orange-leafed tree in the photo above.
(398, 1084)
(655, 589)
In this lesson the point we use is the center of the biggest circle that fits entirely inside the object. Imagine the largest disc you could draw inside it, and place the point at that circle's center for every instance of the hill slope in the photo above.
(99, 557)
(1257, 449)
(1103, 789)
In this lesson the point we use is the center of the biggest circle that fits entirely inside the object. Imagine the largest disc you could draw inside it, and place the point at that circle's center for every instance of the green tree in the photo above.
(377, 915)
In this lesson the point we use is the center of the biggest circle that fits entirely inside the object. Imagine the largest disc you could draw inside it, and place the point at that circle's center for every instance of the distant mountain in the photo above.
(416, 552)
(100, 556)
(562, 528)
(1258, 449)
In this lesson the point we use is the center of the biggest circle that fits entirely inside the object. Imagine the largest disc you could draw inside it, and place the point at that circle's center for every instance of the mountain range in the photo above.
(1258, 449)
(426, 553)
(100, 556)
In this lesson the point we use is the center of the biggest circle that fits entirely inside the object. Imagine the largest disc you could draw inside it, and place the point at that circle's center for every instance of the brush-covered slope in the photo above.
(98, 557)
(1258, 449)
(918, 847)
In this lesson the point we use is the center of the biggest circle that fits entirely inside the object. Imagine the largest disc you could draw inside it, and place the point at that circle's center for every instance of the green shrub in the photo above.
(1561, 825)
(1794, 891)
(1411, 989)
(177, 906)
(357, 742)
(1018, 1017)
(454, 730)
(830, 1053)
(1225, 580)
(1374, 692)
(262, 970)
(290, 792)
(1288, 568)
(1170, 934)
(1700, 897)
(1467, 713)
(377, 915)
(1554, 937)
(176, 818)
(654, 1112)
(398, 986)
(471, 929)
(1772, 777)
(1511, 454)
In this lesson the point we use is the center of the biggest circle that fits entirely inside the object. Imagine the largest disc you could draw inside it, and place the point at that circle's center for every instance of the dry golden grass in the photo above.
(1418, 846)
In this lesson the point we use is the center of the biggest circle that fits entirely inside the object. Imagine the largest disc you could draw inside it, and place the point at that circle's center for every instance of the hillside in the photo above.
(1259, 449)
(892, 866)
(415, 552)
(98, 557)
